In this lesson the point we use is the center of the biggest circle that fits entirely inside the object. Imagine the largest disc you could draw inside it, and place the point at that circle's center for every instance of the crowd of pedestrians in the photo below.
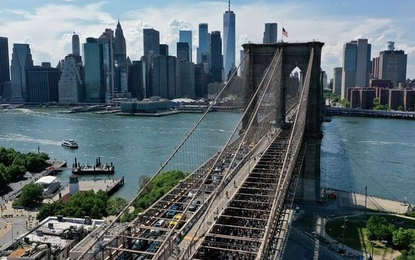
(240, 229)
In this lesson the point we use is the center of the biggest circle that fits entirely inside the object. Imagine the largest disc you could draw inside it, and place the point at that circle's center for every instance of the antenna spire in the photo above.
(229, 5)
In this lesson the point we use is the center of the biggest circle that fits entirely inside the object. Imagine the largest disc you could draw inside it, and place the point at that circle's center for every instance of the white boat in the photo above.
(69, 143)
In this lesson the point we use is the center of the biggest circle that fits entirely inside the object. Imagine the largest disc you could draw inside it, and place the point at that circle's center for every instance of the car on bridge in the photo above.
(159, 224)
(139, 244)
(192, 193)
(194, 205)
(177, 221)
(173, 210)
(154, 246)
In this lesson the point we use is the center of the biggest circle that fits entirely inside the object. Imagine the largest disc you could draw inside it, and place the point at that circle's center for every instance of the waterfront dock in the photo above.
(98, 168)
(339, 111)
(110, 186)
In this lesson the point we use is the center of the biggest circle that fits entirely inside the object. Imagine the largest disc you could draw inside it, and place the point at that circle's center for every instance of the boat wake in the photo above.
(25, 138)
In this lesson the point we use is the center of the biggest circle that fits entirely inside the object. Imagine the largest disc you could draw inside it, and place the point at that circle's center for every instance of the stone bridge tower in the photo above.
(259, 57)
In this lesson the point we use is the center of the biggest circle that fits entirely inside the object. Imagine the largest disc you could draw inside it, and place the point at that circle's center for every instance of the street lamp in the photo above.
(344, 230)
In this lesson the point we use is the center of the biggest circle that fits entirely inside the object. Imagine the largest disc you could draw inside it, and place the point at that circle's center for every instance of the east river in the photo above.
(356, 152)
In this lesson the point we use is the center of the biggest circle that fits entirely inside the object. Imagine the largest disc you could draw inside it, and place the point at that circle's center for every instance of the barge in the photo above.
(98, 168)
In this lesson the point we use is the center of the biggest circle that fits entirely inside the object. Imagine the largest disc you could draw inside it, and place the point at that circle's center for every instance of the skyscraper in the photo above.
(270, 33)
(76, 49)
(166, 77)
(392, 65)
(42, 83)
(71, 88)
(216, 63)
(228, 40)
(164, 49)
(151, 41)
(4, 60)
(94, 87)
(137, 79)
(183, 51)
(21, 60)
(120, 58)
(203, 49)
(337, 80)
(356, 65)
(187, 79)
(106, 40)
(186, 36)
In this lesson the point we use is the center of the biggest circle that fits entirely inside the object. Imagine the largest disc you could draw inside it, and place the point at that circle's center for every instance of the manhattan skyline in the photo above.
(48, 25)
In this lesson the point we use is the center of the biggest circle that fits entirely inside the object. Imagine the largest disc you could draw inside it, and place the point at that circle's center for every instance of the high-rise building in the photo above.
(203, 49)
(137, 79)
(21, 61)
(43, 83)
(201, 81)
(183, 51)
(120, 59)
(391, 65)
(4, 61)
(166, 77)
(216, 64)
(186, 36)
(337, 80)
(94, 87)
(71, 88)
(151, 41)
(106, 40)
(187, 79)
(164, 49)
(229, 40)
(76, 49)
(356, 65)
(270, 33)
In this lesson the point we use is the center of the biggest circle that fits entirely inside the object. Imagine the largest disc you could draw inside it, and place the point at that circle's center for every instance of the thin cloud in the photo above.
(48, 28)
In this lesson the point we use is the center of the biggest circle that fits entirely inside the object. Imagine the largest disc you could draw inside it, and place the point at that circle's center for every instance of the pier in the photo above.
(98, 168)
(339, 111)
(110, 186)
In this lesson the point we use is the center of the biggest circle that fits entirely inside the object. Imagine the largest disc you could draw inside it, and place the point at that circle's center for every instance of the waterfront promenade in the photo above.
(346, 204)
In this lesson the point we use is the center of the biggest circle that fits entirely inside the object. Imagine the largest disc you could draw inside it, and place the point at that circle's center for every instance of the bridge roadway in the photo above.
(141, 240)
(239, 230)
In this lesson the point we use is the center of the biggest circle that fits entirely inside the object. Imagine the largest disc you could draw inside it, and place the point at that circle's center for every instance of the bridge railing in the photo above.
(290, 159)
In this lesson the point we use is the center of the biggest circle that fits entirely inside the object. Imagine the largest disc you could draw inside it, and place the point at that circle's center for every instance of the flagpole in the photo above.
(282, 35)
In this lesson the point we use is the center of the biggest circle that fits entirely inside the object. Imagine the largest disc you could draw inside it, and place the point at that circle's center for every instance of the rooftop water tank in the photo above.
(390, 46)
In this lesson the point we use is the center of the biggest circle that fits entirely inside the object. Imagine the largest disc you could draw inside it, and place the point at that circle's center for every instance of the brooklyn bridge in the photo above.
(239, 203)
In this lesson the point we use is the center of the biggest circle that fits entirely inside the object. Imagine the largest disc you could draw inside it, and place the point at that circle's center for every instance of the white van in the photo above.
(159, 224)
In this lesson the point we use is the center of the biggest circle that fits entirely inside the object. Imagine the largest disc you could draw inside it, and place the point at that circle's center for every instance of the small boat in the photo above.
(69, 143)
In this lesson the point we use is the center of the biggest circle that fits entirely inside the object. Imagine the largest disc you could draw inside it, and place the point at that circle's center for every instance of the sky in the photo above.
(48, 25)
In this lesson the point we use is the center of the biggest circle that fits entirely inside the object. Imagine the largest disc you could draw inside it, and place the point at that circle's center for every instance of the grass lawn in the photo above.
(355, 233)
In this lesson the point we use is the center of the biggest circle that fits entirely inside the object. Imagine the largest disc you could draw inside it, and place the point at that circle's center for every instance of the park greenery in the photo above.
(89, 203)
(31, 195)
(379, 235)
(159, 186)
(97, 204)
(14, 165)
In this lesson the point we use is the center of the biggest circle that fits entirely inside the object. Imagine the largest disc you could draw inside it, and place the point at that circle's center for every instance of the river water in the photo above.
(356, 152)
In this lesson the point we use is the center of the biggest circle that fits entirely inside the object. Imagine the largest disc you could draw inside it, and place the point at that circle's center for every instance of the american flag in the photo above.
(284, 32)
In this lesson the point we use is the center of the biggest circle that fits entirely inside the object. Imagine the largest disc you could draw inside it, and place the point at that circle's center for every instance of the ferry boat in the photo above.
(69, 143)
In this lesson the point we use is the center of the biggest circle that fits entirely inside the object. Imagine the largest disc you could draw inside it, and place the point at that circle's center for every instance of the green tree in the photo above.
(115, 205)
(49, 209)
(402, 238)
(345, 103)
(379, 228)
(32, 194)
(16, 172)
